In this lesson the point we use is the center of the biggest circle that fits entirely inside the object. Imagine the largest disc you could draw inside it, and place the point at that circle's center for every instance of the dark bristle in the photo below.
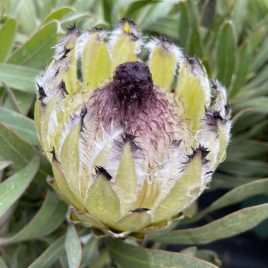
(54, 158)
(62, 86)
(200, 149)
(57, 71)
(213, 84)
(203, 153)
(41, 91)
(97, 29)
(227, 109)
(102, 171)
(140, 210)
(214, 115)
(72, 28)
(130, 21)
(209, 172)
(163, 38)
(82, 115)
(131, 139)
(196, 64)
(65, 53)
(176, 143)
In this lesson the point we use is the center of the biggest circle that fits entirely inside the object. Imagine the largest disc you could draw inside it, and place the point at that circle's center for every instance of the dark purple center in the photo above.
(132, 83)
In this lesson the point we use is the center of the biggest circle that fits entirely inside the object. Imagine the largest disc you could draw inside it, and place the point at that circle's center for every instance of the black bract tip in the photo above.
(130, 21)
(72, 28)
(214, 115)
(66, 51)
(54, 158)
(202, 150)
(131, 139)
(213, 84)
(102, 171)
(82, 115)
(41, 91)
(203, 153)
(196, 64)
(140, 210)
(62, 86)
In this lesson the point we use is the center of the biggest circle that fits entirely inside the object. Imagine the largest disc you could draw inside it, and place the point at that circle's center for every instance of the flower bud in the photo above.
(132, 143)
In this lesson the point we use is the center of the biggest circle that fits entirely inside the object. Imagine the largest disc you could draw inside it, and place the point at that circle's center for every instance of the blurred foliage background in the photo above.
(229, 36)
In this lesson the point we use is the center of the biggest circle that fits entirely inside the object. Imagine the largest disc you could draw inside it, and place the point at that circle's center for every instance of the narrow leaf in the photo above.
(58, 14)
(230, 225)
(225, 53)
(47, 219)
(130, 256)
(239, 194)
(2, 263)
(14, 148)
(243, 66)
(235, 196)
(12, 188)
(37, 51)
(7, 34)
(50, 255)
(20, 124)
(73, 248)
(18, 77)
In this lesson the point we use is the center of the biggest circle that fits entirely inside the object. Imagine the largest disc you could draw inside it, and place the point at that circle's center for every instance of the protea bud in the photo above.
(132, 143)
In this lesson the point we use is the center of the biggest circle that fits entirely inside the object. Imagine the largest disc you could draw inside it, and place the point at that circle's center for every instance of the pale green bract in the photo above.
(128, 173)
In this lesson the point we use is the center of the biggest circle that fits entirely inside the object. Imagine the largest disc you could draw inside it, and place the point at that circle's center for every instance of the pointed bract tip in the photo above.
(102, 171)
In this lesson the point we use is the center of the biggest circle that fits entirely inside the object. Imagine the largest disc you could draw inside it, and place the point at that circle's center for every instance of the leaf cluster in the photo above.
(231, 39)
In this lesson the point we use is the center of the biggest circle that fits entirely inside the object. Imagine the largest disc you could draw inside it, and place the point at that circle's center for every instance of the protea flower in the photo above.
(133, 131)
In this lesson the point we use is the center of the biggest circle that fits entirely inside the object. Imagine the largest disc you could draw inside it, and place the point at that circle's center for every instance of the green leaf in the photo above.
(230, 225)
(225, 53)
(12, 188)
(209, 255)
(26, 14)
(47, 220)
(243, 65)
(90, 251)
(58, 14)
(184, 25)
(195, 44)
(239, 194)
(50, 255)
(246, 149)
(37, 51)
(262, 55)
(22, 101)
(237, 15)
(258, 104)
(107, 9)
(138, 5)
(20, 124)
(2, 263)
(167, 25)
(15, 149)
(247, 168)
(73, 248)
(236, 195)
(132, 257)
(7, 34)
(18, 77)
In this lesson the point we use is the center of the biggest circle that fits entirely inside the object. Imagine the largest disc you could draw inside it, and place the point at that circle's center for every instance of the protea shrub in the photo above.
(133, 130)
